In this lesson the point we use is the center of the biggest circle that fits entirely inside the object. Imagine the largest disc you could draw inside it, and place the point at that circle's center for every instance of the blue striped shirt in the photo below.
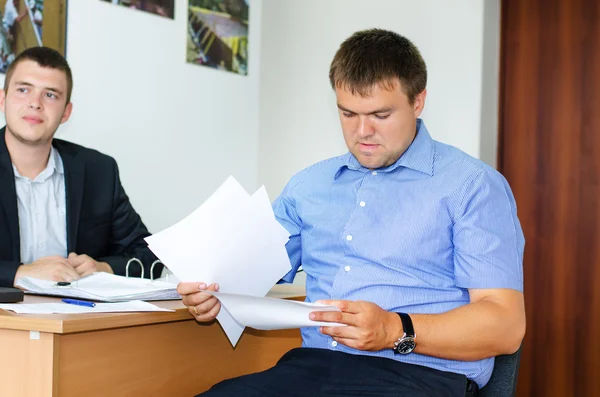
(411, 237)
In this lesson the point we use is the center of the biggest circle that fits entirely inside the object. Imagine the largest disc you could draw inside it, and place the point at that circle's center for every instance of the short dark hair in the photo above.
(46, 58)
(377, 56)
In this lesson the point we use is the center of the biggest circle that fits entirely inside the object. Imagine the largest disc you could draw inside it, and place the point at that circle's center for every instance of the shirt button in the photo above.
(362, 203)
(347, 268)
(334, 343)
(349, 237)
(374, 173)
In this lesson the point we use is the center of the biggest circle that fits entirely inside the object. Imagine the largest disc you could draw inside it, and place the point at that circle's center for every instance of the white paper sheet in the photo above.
(226, 240)
(233, 239)
(65, 308)
(270, 313)
(103, 287)
(188, 246)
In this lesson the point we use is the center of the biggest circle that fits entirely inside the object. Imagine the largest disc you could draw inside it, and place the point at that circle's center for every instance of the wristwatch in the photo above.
(406, 344)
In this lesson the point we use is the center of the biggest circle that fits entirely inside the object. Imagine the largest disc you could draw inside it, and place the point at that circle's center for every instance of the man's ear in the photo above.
(420, 102)
(67, 112)
(2, 99)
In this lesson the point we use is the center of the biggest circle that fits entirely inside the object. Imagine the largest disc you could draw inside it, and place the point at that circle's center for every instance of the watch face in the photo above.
(406, 345)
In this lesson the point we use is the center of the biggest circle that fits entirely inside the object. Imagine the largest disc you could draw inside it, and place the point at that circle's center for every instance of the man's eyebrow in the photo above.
(382, 110)
(24, 83)
(344, 109)
(53, 89)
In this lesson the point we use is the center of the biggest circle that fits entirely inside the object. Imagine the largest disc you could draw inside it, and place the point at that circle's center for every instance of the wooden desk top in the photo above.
(71, 323)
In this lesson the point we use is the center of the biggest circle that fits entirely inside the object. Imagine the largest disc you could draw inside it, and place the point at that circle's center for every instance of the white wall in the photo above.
(176, 130)
(298, 117)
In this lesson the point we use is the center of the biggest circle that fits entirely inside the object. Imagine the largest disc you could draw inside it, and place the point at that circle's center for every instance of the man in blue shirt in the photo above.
(416, 242)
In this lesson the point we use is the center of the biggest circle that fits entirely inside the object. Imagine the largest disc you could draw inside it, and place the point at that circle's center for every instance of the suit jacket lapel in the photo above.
(74, 178)
(8, 194)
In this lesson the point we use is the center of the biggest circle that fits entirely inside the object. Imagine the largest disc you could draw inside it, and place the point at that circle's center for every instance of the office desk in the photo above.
(129, 354)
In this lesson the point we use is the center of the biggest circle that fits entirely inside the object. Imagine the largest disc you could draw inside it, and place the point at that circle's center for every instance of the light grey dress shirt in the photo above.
(41, 204)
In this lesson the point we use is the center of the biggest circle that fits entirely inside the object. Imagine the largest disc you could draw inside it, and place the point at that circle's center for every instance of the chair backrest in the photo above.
(503, 382)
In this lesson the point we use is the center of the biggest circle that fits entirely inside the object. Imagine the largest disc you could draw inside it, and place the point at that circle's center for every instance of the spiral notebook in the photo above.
(103, 287)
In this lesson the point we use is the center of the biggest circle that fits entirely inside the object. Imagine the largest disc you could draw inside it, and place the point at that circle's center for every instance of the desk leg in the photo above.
(28, 365)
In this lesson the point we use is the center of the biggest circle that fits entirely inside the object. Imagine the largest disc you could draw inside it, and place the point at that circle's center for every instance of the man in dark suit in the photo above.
(63, 211)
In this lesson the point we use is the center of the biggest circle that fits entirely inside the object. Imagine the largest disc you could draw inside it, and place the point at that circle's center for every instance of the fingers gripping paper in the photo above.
(233, 239)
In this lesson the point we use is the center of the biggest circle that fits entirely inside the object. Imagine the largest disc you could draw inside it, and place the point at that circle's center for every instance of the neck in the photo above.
(29, 160)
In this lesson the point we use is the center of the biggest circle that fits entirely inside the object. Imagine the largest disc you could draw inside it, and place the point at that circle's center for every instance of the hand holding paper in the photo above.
(233, 239)
(369, 326)
(202, 305)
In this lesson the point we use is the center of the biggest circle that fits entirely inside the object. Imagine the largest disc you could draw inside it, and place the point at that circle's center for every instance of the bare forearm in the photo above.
(493, 323)
(472, 332)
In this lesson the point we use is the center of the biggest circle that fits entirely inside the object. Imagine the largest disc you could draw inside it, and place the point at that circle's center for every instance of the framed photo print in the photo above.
(30, 23)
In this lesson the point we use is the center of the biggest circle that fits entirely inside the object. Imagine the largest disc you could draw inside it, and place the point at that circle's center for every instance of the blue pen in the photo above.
(79, 303)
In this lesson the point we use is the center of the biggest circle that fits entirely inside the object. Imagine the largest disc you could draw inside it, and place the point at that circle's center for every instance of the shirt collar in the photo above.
(419, 156)
(54, 165)
(56, 161)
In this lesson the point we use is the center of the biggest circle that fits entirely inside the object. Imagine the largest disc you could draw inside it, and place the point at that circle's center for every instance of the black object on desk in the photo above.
(10, 295)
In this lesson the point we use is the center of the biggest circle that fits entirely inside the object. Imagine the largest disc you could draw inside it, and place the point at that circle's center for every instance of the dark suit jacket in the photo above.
(100, 219)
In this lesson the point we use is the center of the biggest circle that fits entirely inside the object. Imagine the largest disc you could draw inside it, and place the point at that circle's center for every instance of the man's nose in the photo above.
(35, 103)
(365, 127)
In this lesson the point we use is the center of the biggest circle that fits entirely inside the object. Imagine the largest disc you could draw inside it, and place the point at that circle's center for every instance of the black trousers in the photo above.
(305, 372)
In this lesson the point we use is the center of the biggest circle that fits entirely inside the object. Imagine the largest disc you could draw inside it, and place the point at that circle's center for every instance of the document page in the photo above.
(271, 313)
(103, 287)
(232, 239)
(65, 308)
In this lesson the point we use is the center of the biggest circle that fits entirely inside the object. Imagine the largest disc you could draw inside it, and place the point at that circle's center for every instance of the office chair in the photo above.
(503, 382)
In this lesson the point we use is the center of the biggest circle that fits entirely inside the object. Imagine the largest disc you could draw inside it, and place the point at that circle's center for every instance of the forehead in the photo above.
(388, 94)
(31, 72)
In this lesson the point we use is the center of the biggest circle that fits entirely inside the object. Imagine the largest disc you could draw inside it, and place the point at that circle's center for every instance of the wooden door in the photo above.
(549, 150)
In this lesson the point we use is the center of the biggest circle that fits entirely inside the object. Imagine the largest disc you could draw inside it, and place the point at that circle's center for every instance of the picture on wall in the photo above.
(30, 23)
(163, 8)
(218, 34)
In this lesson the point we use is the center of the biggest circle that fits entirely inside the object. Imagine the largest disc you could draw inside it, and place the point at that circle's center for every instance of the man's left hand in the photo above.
(85, 265)
(369, 327)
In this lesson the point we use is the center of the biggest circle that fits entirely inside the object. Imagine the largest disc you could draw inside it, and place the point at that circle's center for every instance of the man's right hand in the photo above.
(204, 307)
(55, 268)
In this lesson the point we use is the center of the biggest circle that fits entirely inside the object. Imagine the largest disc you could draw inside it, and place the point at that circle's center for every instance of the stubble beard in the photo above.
(42, 141)
(378, 161)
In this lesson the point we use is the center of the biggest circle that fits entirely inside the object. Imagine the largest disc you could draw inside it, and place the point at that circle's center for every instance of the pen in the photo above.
(79, 303)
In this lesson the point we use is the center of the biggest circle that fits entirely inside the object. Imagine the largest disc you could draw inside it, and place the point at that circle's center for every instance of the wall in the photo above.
(177, 130)
(298, 117)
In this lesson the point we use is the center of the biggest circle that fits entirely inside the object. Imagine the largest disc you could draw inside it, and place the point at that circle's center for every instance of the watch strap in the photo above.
(407, 324)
